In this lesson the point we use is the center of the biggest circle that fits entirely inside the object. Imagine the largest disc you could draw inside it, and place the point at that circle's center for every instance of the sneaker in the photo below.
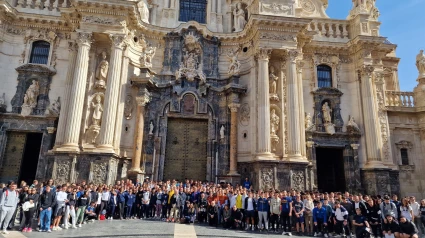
(58, 228)
(315, 234)
(39, 230)
(253, 227)
(326, 235)
(247, 228)
(49, 231)
(73, 227)
(24, 230)
(79, 225)
(284, 233)
(320, 234)
(5, 232)
(65, 227)
(289, 234)
(29, 230)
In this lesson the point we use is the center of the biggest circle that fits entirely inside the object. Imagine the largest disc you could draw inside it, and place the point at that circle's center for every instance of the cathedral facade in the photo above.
(221, 90)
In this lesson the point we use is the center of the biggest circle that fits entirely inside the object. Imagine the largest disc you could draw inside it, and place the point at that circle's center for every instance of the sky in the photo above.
(403, 23)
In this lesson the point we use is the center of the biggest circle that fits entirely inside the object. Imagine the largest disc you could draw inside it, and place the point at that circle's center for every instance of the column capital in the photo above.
(379, 78)
(293, 55)
(72, 46)
(355, 146)
(84, 38)
(263, 54)
(143, 98)
(234, 107)
(117, 40)
(310, 144)
(366, 70)
(300, 65)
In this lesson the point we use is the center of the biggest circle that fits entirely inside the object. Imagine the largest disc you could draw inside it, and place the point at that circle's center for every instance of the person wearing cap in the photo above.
(387, 207)
(407, 228)
(390, 227)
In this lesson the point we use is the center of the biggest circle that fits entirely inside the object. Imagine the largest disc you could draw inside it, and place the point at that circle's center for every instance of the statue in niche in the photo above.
(97, 110)
(352, 123)
(420, 63)
(239, 17)
(102, 72)
(273, 81)
(274, 122)
(151, 128)
(308, 123)
(327, 111)
(30, 98)
(144, 10)
(222, 129)
(235, 65)
(54, 108)
(147, 56)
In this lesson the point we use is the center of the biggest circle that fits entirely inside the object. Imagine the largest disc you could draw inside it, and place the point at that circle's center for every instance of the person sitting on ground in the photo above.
(213, 214)
(236, 218)
(407, 228)
(320, 220)
(227, 223)
(390, 227)
(360, 222)
(91, 212)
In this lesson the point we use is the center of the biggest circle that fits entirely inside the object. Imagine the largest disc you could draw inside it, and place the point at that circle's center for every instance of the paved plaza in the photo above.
(145, 228)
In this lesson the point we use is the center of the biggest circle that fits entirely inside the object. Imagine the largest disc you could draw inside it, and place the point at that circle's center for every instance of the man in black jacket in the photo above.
(47, 201)
(390, 228)
(407, 228)
(236, 218)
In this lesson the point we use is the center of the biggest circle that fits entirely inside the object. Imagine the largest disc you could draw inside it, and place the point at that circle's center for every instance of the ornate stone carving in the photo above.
(50, 130)
(352, 125)
(263, 54)
(298, 180)
(30, 98)
(274, 122)
(3, 105)
(222, 132)
(276, 8)
(100, 172)
(234, 65)
(191, 66)
(151, 127)
(382, 114)
(97, 110)
(244, 114)
(308, 6)
(128, 107)
(84, 39)
(63, 170)
(327, 119)
(277, 36)
(239, 17)
(96, 106)
(102, 72)
(273, 84)
(267, 179)
(404, 145)
(101, 20)
(327, 111)
(54, 108)
(420, 64)
(309, 126)
(143, 7)
(147, 56)
(293, 55)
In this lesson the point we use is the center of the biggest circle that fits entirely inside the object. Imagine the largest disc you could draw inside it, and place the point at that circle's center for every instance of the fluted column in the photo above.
(72, 57)
(107, 130)
(370, 117)
(293, 105)
(263, 105)
(300, 66)
(138, 135)
(120, 111)
(233, 170)
(76, 101)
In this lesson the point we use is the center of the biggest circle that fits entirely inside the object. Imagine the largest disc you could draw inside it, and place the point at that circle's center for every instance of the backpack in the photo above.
(7, 193)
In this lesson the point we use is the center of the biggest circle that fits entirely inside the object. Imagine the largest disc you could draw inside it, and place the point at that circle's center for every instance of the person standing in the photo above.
(275, 212)
(8, 202)
(250, 207)
(320, 220)
(263, 208)
(298, 209)
(47, 201)
(286, 214)
(416, 215)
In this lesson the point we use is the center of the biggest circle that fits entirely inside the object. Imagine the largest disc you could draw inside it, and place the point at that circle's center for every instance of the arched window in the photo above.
(40, 52)
(324, 76)
(193, 10)
(404, 157)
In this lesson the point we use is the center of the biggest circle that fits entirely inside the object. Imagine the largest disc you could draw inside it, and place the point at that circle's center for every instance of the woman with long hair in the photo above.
(406, 210)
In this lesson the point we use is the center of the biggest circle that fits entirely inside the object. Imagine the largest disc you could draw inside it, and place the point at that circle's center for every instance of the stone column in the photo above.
(72, 57)
(370, 117)
(120, 111)
(106, 137)
(233, 138)
(78, 91)
(263, 105)
(300, 66)
(141, 100)
(293, 108)
(357, 180)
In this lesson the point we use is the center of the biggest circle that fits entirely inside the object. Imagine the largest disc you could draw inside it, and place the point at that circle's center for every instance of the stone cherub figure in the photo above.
(102, 72)
(352, 123)
(147, 56)
(235, 65)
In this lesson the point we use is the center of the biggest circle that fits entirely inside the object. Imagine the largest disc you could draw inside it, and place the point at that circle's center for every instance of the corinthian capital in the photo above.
(143, 97)
(367, 70)
(72, 46)
(84, 39)
(263, 54)
(234, 107)
(117, 40)
(293, 55)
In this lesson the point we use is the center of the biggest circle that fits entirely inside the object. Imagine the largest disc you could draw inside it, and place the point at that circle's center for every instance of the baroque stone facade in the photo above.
(255, 89)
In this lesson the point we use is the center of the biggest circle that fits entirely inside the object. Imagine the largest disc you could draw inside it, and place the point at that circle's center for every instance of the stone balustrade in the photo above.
(400, 99)
(39, 6)
(330, 30)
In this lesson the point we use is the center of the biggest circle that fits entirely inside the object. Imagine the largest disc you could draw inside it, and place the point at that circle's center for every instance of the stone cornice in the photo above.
(36, 68)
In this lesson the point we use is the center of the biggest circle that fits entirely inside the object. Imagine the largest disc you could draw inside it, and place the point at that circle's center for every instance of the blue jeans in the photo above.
(45, 217)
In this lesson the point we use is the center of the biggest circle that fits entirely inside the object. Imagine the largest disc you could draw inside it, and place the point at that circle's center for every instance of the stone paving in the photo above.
(145, 228)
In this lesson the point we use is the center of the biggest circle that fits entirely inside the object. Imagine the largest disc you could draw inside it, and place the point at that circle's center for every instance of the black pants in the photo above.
(274, 221)
(202, 216)
(164, 210)
(103, 206)
(144, 212)
(320, 227)
(28, 217)
(286, 222)
(340, 228)
(376, 230)
(213, 220)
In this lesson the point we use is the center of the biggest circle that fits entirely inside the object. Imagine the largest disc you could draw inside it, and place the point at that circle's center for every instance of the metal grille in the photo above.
(40, 52)
(324, 76)
(193, 10)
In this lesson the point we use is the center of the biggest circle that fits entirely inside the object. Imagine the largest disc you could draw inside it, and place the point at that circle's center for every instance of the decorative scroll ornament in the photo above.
(267, 177)
(191, 66)
(276, 8)
(101, 20)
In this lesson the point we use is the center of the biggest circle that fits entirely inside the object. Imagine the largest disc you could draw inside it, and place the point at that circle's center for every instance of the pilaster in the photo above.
(233, 139)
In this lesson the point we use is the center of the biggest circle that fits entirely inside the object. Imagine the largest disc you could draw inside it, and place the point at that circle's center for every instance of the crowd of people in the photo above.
(49, 207)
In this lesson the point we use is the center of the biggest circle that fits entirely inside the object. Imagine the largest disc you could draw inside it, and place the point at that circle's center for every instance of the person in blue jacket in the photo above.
(121, 202)
(130, 199)
(320, 220)
(263, 208)
(113, 202)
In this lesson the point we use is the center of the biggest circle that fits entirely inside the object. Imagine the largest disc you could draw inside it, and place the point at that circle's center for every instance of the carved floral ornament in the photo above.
(117, 40)
(263, 54)
(102, 20)
(84, 38)
(404, 145)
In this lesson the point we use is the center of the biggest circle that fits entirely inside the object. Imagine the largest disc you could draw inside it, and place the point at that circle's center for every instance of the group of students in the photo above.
(71, 205)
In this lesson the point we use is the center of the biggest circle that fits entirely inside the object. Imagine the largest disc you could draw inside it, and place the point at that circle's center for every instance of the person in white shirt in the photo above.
(104, 200)
(250, 207)
(59, 211)
(416, 214)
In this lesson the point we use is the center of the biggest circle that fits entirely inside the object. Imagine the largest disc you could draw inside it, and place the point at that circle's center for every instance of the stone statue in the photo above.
(151, 128)
(97, 110)
(274, 122)
(54, 108)
(420, 63)
(327, 118)
(30, 98)
(102, 72)
(239, 17)
(358, 3)
(222, 132)
(352, 123)
(147, 56)
(144, 10)
(3, 105)
(273, 81)
(235, 65)
(308, 122)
